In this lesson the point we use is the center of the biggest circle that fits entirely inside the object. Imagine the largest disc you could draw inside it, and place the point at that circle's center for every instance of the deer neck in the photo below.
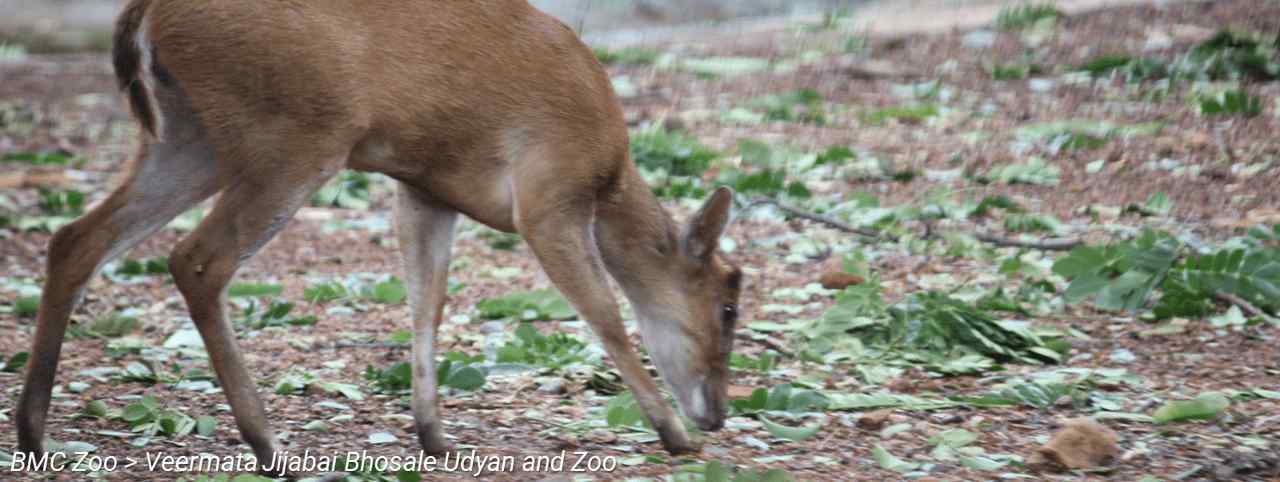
(637, 240)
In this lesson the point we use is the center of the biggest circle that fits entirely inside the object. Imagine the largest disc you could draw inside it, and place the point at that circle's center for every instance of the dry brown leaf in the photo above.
(1081, 444)
(839, 280)
(739, 391)
(34, 179)
(875, 420)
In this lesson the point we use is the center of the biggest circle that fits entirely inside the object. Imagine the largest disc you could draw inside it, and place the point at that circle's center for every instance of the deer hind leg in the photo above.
(556, 220)
(169, 176)
(249, 213)
(425, 230)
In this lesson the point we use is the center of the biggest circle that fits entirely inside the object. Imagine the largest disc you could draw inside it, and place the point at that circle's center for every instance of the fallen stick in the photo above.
(818, 218)
(1244, 305)
(1055, 244)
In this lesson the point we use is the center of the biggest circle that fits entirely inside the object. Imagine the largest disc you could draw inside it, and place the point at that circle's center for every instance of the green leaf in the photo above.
(95, 408)
(1207, 406)
(136, 412)
(716, 472)
(979, 462)
(346, 389)
(389, 292)
(15, 362)
(544, 304)
(239, 290)
(724, 66)
(206, 425)
(466, 378)
(954, 438)
(795, 434)
(888, 461)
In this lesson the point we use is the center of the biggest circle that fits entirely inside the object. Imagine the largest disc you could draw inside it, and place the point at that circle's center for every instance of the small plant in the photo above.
(26, 306)
(349, 191)
(781, 398)
(390, 291)
(62, 203)
(37, 158)
(456, 370)
(150, 419)
(913, 114)
(276, 315)
(675, 153)
(298, 381)
(762, 363)
(15, 362)
(715, 471)
(253, 290)
(543, 304)
(143, 267)
(627, 56)
(1010, 72)
(1034, 172)
(325, 292)
(804, 106)
(1022, 16)
(1231, 55)
(554, 351)
(835, 155)
(501, 241)
(114, 325)
(1229, 102)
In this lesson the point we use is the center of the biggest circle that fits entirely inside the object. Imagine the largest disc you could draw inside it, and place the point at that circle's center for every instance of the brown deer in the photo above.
(487, 108)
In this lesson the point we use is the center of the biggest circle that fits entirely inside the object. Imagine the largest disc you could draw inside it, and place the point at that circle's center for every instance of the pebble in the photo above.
(491, 327)
(979, 39)
(553, 386)
(601, 436)
(752, 442)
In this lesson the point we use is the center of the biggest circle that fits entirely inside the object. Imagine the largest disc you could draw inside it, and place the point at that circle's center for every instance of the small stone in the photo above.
(552, 386)
(979, 39)
(752, 442)
(491, 327)
(600, 436)
(716, 451)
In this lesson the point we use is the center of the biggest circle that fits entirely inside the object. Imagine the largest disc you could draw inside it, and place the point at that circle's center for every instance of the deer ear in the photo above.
(705, 228)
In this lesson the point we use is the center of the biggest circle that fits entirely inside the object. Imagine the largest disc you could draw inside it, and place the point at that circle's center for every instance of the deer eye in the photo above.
(729, 313)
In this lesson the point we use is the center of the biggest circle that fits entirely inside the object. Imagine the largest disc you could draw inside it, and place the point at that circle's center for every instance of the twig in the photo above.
(1055, 244)
(768, 343)
(1244, 305)
(818, 218)
(339, 345)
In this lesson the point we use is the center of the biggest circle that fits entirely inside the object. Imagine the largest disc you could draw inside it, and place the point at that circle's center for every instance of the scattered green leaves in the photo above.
(542, 304)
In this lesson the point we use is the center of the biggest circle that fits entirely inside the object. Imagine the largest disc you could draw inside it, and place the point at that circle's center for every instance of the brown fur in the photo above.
(127, 59)
(487, 108)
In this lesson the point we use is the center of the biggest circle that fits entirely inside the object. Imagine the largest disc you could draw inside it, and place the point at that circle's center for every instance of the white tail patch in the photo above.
(147, 77)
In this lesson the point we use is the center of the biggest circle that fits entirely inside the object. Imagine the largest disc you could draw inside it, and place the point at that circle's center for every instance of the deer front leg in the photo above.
(425, 229)
(247, 215)
(559, 234)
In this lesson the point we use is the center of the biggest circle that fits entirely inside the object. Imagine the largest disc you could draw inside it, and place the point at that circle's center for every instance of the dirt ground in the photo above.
(68, 104)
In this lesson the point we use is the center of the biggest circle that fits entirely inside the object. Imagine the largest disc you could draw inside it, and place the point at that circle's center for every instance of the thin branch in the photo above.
(818, 218)
(1244, 305)
(768, 343)
(1055, 244)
